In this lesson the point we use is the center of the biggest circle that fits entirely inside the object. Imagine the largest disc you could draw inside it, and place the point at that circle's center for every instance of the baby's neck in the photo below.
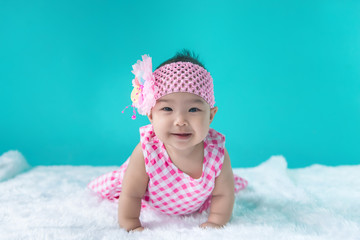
(189, 161)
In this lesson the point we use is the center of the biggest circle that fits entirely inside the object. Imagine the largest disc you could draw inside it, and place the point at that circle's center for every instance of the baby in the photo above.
(180, 166)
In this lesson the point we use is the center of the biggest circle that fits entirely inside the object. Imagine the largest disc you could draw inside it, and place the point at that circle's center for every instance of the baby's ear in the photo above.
(213, 111)
(150, 117)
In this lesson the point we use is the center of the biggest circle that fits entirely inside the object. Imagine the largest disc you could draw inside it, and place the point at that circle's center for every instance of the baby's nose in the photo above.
(180, 120)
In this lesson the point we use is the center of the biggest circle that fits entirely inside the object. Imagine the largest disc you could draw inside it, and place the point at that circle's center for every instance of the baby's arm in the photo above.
(133, 189)
(222, 201)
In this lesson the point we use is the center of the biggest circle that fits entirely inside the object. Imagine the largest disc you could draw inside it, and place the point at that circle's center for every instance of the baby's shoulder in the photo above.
(215, 136)
(147, 133)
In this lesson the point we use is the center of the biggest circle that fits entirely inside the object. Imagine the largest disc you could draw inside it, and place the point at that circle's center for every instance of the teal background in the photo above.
(286, 75)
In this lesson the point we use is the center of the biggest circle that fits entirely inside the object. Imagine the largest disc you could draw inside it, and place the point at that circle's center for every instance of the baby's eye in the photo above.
(167, 109)
(194, 110)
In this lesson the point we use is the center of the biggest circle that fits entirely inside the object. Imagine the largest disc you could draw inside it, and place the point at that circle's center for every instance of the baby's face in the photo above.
(181, 120)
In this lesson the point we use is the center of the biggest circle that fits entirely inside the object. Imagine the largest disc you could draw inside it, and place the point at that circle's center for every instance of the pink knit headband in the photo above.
(170, 78)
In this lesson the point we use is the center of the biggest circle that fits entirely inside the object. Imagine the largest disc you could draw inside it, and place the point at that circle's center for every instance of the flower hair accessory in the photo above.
(143, 94)
(170, 78)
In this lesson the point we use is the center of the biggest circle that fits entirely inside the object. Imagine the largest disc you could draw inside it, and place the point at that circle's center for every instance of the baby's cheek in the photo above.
(159, 130)
(205, 130)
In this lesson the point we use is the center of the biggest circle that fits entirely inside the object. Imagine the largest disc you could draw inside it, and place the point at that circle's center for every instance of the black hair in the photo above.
(184, 55)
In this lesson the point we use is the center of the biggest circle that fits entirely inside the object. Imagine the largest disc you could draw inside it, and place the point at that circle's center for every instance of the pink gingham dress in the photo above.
(170, 190)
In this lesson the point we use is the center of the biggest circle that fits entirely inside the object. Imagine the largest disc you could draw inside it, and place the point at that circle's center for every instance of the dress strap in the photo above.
(214, 150)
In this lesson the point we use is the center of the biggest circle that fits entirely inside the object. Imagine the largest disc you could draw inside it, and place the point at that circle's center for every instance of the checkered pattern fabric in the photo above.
(108, 186)
(170, 190)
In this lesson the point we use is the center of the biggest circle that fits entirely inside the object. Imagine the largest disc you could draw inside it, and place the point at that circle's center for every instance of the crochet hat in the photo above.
(170, 78)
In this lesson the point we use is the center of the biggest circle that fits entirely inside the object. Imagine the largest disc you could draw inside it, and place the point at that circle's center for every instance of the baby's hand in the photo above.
(138, 229)
(210, 225)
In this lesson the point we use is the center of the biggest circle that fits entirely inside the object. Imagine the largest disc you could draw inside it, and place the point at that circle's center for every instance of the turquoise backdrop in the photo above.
(286, 75)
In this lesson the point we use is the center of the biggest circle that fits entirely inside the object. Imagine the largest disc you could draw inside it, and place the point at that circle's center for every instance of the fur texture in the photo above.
(318, 202)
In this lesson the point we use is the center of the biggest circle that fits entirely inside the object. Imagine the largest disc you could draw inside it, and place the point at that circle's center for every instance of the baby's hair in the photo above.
(184, 55)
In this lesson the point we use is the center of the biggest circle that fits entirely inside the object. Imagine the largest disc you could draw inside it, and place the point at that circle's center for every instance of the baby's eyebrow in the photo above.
(164, 100)
(196, 101)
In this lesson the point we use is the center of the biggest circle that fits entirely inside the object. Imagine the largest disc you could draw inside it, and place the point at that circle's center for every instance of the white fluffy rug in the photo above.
(52, 202)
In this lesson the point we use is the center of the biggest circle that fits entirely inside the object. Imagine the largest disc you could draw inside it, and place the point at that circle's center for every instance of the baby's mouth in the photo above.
(182, 135)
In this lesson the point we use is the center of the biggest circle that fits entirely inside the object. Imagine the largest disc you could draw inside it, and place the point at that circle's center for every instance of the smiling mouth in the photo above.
(182, 135)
